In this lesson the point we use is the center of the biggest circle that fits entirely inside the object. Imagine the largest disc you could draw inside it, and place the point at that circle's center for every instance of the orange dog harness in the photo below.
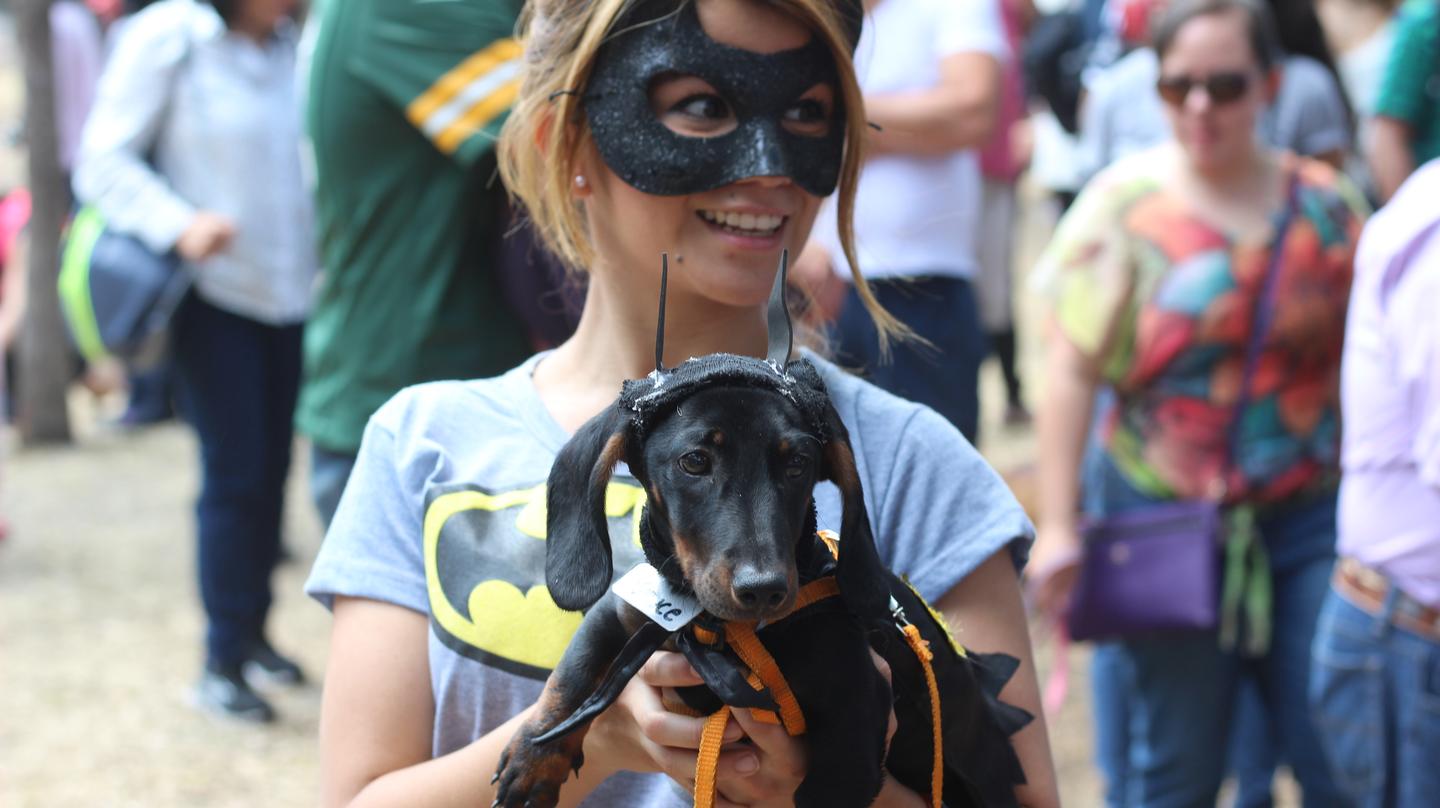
(765, 675)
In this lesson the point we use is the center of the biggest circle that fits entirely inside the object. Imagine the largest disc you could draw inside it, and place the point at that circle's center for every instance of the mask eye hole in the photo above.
(690, 106)
(811, 115)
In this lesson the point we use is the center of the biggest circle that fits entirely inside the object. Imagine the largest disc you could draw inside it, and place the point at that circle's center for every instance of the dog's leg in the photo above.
(531, 773)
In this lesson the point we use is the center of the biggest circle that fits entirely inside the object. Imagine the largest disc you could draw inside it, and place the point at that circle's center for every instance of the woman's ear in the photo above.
(544, 134)
(578, 559)
(584, 167)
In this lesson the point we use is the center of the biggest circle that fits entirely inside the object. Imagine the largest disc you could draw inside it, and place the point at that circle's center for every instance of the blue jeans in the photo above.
(237, 382)
(945, 375)
(329, 471)
(1375, 689)
(1164, 705)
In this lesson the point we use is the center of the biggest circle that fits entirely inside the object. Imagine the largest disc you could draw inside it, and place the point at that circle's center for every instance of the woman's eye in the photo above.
(704, 107)
(695, 463)
(809, 117)
(807, 110)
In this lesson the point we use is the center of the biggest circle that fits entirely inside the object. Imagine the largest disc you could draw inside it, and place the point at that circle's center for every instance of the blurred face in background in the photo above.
(1214, 90)
(262, 15)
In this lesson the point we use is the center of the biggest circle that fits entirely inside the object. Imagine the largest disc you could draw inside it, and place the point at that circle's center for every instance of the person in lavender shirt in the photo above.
(1375, 679)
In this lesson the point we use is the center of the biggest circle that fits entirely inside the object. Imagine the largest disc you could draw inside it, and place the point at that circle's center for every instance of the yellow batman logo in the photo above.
(485, 573)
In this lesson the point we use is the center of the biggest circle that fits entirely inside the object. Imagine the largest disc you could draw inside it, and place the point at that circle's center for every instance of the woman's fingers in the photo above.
(678, 764)
(680, 731)
(1054, 566)
(1051, 592)
(669, 669)
(766, 774)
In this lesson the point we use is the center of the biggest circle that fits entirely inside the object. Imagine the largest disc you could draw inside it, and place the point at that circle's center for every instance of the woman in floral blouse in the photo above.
(1153, 279)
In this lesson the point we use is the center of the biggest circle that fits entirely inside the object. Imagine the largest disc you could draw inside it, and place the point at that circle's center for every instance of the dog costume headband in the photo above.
(664, 38)
(657, 394)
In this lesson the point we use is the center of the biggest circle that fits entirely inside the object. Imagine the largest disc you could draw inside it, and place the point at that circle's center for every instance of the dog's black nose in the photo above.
(757, 590)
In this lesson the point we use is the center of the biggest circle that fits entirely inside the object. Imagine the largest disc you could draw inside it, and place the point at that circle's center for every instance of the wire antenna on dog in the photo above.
(777, 319)
(660, 322)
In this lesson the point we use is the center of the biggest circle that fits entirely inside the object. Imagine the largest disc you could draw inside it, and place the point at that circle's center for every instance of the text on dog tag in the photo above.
(643, 588)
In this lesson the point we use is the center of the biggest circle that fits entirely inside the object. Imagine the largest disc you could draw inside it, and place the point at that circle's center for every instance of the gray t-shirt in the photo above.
(445, 514)
(1123, 113)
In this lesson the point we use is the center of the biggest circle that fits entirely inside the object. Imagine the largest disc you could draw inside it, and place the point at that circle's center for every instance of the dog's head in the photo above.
(729, 450)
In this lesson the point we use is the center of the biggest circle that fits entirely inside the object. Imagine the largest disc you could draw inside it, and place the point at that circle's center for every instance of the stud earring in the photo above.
(580, 181)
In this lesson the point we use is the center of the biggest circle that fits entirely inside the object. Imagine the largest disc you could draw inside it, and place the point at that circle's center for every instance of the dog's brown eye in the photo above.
(695, 463)
(797, 465)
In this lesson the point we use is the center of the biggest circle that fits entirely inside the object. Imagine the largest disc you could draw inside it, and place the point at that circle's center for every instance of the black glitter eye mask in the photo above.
(660, 39)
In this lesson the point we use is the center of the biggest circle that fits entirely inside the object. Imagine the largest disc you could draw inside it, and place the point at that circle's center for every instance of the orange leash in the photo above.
(764, 674)
(711, 737)
(937, 762)
(741, 637)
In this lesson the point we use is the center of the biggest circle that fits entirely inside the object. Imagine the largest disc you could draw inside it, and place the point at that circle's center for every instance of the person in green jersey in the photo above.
(1405, 132)
(405, 100)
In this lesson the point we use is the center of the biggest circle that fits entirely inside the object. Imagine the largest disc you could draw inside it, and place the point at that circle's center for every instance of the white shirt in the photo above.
(77, 53)
(916, 215)
(216, 113)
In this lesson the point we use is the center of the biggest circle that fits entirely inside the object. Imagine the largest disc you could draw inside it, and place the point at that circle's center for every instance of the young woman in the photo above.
(1154, 278)
(710, 131)
(193, 146)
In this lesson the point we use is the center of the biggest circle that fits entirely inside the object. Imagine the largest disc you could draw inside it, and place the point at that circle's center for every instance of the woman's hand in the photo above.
(207, 234)
(637, 733)
(1062, 428)
(1051, 574)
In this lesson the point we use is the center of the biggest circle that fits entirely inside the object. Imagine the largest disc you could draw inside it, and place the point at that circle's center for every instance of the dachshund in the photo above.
(728, 450)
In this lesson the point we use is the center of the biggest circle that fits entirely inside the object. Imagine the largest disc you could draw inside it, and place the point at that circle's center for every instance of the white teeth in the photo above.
(760, 223)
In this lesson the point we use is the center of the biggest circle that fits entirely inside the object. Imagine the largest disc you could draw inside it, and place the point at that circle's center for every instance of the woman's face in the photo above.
(264, 15)
(725, 243)
(1214, 90)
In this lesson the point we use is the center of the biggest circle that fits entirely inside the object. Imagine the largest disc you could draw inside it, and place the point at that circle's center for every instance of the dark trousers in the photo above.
(944, 375)
(237, 384)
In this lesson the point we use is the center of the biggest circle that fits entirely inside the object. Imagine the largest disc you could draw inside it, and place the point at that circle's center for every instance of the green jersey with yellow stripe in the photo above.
(406, 98)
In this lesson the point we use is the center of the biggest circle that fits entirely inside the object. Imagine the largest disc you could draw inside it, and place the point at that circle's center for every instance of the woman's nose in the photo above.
(1198, 99)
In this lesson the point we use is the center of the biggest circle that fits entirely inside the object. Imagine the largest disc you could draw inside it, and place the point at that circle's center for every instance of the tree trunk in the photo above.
(44, 370)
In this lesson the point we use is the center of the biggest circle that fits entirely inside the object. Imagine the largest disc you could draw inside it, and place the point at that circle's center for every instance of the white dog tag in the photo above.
(643, 588)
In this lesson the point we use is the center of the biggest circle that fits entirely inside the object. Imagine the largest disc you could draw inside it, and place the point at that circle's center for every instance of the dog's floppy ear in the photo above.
(578, 558)
(863, 582)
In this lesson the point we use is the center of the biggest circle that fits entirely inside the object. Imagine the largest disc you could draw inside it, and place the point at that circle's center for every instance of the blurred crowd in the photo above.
(1224, 318)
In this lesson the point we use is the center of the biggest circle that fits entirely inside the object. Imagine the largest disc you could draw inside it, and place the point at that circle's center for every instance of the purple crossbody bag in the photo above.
(1158, 568)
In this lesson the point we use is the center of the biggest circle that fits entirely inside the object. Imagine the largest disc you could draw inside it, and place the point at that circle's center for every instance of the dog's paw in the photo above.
(530, 774)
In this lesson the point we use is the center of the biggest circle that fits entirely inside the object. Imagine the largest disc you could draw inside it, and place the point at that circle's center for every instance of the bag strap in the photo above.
(1261, 318)
(1246, 595)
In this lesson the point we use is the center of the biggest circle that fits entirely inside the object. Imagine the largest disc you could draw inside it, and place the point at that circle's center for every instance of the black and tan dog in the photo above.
(728, 450)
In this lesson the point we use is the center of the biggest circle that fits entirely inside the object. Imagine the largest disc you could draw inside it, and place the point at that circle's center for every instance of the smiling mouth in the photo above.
(751, 225)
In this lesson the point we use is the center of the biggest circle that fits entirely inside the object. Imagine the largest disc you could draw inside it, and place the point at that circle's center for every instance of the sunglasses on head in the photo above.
(1222, 88)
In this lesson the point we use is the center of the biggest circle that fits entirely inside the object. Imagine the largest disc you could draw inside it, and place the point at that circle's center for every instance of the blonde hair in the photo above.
(545, 133)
